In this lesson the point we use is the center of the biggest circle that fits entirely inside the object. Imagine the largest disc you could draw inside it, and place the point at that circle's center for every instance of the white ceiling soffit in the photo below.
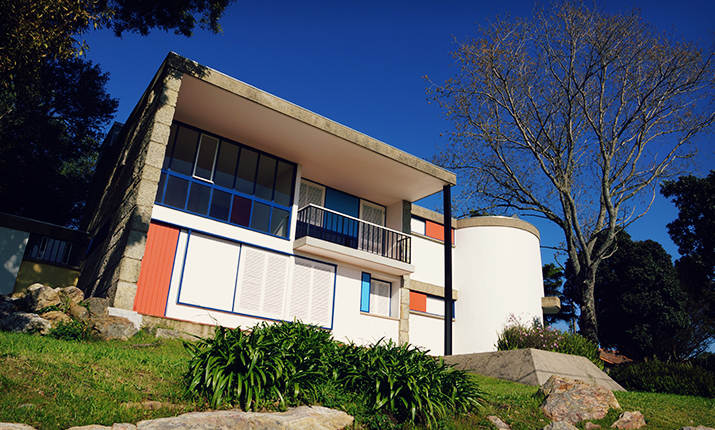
(331, 154)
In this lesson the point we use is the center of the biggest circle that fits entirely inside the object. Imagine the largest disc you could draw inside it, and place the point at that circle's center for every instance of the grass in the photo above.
(52, 384)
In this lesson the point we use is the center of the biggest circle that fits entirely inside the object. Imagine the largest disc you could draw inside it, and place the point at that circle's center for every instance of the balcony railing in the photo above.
(325, 224)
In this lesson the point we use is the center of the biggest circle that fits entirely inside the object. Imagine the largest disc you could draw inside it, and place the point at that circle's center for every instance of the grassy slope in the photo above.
(71, 384)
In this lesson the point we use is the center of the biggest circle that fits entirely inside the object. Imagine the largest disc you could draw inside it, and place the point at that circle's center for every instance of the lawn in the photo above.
(53, 384)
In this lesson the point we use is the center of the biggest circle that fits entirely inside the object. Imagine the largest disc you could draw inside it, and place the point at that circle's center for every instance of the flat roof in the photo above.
(330, 153)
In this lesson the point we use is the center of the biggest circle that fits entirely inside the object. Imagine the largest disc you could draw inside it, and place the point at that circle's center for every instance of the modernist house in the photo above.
(218, 203)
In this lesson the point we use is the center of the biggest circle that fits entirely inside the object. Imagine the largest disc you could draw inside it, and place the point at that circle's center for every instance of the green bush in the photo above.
(667, 378)
(71, 330)
(289, 363)
(518, 335)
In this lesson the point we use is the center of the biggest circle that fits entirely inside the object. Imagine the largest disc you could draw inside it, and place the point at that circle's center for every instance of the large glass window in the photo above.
(224, 180)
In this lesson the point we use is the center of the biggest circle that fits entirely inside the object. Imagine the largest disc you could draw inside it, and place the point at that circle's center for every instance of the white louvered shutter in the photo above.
(311, 295)
(262, 283)
(380, 297)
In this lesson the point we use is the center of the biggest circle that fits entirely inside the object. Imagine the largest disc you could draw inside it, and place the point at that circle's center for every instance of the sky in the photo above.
(363, 64)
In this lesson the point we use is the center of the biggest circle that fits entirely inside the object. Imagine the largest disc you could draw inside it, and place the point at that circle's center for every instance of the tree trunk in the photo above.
(587, 321)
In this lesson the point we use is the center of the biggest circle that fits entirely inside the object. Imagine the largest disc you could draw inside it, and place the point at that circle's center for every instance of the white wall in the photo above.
(427, 333)
(428, 259)
(497, 270)
(12, 248)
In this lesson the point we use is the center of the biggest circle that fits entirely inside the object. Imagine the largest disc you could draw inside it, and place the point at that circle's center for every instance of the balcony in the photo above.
(327, 233)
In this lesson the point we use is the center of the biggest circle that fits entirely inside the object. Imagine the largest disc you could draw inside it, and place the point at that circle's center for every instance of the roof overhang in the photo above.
(330, 153)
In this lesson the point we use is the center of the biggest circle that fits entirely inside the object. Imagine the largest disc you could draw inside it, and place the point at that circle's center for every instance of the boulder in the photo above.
(11, 426)
(111, 327)
(79, 313)
(24, 322)
(55, 318)
(501, 425)
(71, 295)
(40, 296)
(700, 427)
(302, 418)
(560, 425)
(573, 401)
(629, 420)
(98, 306)
(591, 426)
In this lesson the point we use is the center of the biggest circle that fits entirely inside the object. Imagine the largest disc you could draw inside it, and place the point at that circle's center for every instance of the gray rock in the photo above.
(573, 401)
(700, 427)
(40, 296)
(166, 333)
(11, 426)
(302, 418)
(79, 313)
(629, 420)
(111, 327)
(55, 317)
(98, 306)
(560, 425)
(501, 425)
(24, 322)
(71, 295)
(591, 426)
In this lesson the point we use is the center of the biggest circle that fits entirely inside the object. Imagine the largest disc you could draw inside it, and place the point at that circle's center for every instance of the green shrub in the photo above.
(289, 363)
(667, 378)
(71, 330)
(517, 335)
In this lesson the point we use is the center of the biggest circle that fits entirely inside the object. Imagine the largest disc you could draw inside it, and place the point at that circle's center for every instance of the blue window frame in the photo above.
(207, 175)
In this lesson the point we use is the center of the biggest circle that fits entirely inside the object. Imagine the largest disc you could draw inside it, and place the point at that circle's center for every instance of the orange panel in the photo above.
(436, 231)
(155, 273)
(418, 301)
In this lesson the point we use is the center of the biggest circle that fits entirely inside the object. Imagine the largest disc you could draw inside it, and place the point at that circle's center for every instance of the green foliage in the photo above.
(670, 378)
(71, 330)
(517, 335)
(640, 305)
(287, 363)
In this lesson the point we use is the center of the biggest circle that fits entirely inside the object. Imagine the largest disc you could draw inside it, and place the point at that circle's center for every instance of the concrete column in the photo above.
(404, 327)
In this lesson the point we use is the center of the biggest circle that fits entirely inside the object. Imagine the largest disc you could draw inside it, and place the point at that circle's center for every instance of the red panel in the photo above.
(418, 301)
(155, 273)
(436, 231)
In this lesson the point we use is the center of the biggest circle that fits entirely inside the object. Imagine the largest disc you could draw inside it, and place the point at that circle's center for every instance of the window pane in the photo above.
(205, 159)
(284, 184)
(176, 190)
(170, 146)
(279, 222)
(226, 165)
(199, 199)
(261, 217)
(241, 211)
(160, 190)
(184, 151)
(220, 205)
(266, 176)
(246, 174)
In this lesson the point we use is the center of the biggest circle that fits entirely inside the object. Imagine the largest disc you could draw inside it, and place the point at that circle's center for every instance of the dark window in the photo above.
(208, 176)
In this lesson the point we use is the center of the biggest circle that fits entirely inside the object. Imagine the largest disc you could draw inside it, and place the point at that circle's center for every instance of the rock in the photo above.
(121, 426)
(24, 322)
(79, 313)
(700, 427)
(111, 327)
(573, 401)
(7, 306)
(98, 306)
(11, 426)
(40, 296)
(302, 418)
(629, 420)
(591, 426)
(560, 425)
(166, 333)
(55, 318)
(501, 425)
(71, 295)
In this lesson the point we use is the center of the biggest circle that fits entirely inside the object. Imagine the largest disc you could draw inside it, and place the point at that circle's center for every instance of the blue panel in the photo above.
(342, 202)
(365, 293)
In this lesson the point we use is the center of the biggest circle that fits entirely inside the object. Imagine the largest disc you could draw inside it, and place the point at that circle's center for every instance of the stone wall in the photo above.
(123, 191)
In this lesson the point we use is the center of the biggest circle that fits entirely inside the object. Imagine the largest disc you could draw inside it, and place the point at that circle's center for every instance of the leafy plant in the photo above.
(517, 335)
(71, 330)
(669, 378)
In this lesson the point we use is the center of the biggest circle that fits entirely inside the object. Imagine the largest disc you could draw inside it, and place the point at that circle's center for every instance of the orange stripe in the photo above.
(155, 273)
(436, 231)
(418, 301)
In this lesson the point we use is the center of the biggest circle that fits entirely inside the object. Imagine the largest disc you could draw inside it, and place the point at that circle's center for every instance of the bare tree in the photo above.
(573, 115)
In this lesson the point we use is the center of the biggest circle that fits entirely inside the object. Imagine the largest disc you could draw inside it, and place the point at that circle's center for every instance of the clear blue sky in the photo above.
(362, 63)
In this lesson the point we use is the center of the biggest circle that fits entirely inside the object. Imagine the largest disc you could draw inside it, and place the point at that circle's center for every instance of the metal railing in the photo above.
(325, 224)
